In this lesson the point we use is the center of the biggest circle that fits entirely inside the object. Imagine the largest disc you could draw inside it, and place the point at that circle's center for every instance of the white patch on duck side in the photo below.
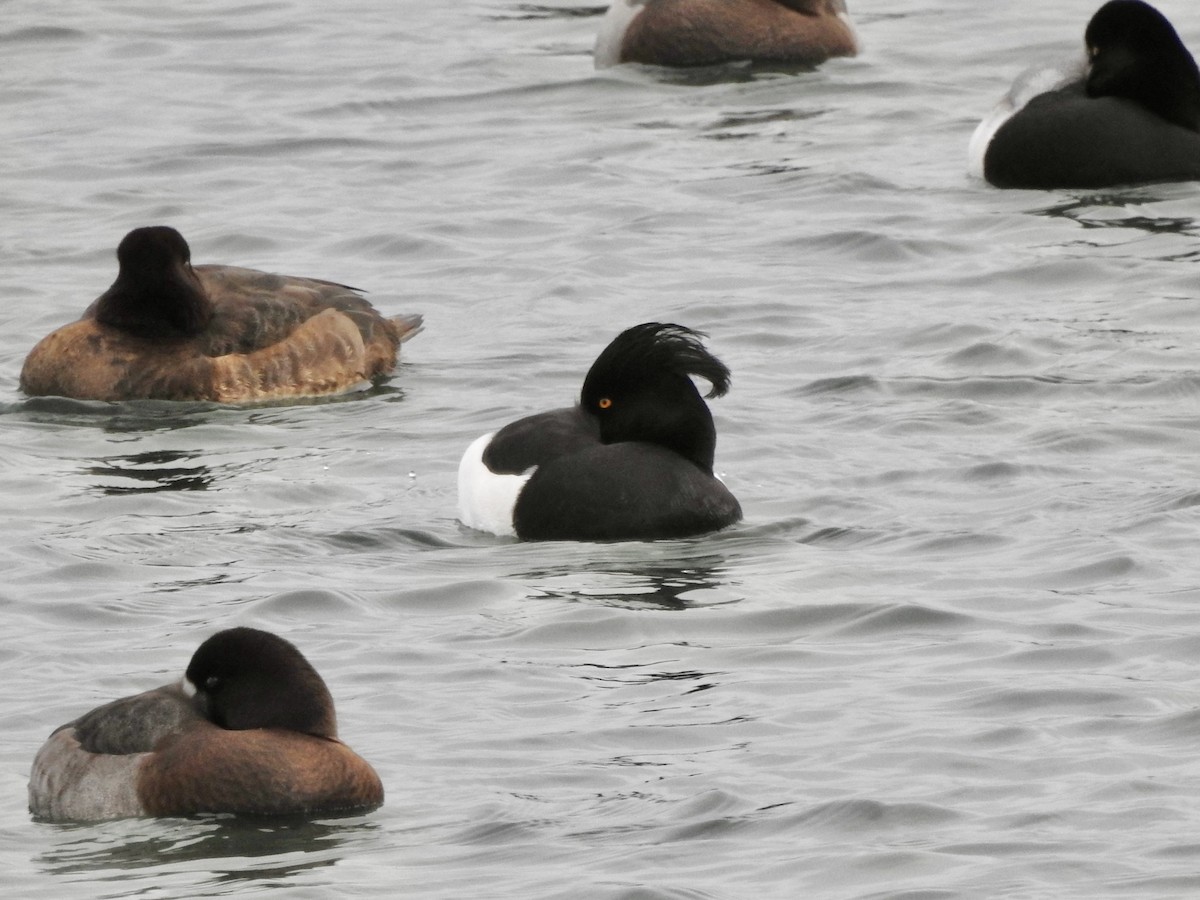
(67, 783)
(1029, 84)
(613, 26)
(485, 499)
(858, 45)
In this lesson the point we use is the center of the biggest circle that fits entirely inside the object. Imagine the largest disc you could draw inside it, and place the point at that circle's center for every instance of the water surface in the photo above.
(950, 653)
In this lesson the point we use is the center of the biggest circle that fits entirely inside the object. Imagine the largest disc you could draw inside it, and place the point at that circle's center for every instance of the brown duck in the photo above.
(685, 33)
(250, 729)
(168, 330)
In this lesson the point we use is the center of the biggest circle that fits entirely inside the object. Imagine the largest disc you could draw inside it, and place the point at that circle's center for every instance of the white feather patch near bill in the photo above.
(485, 499)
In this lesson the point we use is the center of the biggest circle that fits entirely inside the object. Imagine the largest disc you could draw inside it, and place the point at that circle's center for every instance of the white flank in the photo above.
(612, 31)
(1029, 84)
(485, 499)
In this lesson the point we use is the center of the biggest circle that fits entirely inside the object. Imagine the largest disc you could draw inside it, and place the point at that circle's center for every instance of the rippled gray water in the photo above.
(952, 651)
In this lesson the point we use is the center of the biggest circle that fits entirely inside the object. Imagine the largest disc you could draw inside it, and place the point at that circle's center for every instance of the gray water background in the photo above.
(952, 652)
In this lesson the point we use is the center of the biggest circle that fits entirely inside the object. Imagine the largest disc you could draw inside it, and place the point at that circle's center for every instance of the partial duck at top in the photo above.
(1132, 115)
(633, 460)
(686, 33)
(168, 330)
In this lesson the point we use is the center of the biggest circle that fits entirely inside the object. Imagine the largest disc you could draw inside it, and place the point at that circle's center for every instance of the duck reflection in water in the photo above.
(666, 585)
(233, 849)
(154, 471)
(1119, 211)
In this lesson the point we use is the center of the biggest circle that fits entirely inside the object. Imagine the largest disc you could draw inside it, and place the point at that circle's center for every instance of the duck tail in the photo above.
(408, 326)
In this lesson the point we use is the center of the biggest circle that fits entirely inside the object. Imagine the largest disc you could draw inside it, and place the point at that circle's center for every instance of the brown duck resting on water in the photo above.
(685, 33)
(250, 729)
(168, 330)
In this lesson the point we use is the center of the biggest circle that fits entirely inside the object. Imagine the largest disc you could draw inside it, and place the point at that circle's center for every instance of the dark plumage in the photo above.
(1132, 118)
(640, 389)
(1136, 54)
(634, 460)
(255, 734)
(168, 330)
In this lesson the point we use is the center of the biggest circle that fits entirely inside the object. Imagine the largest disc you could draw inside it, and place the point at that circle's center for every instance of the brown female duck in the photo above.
(168, 330)
(250, 729)
(710, 32)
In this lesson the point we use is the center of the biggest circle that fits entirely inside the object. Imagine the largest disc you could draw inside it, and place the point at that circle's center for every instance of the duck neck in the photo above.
(1183, 106)
(1179, 104)
(674, 416)
(165, 304)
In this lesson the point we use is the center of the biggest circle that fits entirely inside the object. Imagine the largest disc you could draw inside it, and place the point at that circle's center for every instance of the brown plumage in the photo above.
(168, 330)
(685, 33)
(258, 737)
(264, 771)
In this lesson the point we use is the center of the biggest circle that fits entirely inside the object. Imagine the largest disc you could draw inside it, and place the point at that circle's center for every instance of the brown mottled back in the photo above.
(256, 309)
(270, 336)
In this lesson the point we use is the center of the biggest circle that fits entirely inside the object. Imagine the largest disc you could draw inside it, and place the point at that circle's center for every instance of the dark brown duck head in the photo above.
(246, 678)
(156, 294)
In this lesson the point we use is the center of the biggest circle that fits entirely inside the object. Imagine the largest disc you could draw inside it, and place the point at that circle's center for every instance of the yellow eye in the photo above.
(604, 403)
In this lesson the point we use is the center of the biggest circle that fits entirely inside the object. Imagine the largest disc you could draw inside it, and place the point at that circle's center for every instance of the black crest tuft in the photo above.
(640, 389)
(649, 351)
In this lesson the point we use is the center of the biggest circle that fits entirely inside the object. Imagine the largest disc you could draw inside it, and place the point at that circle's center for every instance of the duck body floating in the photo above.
(1130, 116)
(632, 461)
(168, 330)
(690, 33)
(250, 730)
